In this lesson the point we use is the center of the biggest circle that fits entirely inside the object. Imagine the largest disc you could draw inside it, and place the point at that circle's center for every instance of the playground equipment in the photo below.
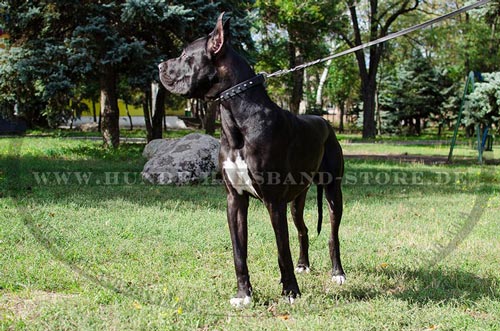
(484, 139)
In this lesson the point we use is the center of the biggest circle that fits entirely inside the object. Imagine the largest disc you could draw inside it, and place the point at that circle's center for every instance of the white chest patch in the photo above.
(238, 175)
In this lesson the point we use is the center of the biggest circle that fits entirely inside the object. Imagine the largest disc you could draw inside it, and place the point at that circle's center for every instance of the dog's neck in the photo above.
(226, 72)
(247, 103)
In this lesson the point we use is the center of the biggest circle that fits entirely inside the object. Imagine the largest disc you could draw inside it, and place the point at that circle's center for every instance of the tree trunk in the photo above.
(129, 117)
(158, 101)
(199, 108)
(379, 118)
(109, 108)
(94, 111)
(209, 120)
(322, 81)
(193, 108)
(418, 126)
(147, 115)
(100, 122)
(369, 92)
(342, 113)
(295, 59)
(368, 73)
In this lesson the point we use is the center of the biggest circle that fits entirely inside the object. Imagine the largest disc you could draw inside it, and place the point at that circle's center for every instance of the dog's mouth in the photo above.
(167, 80)
(175, 86)
(170, 84)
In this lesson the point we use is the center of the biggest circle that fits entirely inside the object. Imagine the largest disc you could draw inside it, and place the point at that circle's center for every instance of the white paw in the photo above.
(240, 302)
(339, 279)
(301, 270)
(291, 300)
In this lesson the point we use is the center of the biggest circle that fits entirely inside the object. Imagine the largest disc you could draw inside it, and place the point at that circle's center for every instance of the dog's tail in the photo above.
(319, 198)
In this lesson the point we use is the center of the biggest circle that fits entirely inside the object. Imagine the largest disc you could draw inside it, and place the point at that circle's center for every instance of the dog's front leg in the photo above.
(277, 211)
(237, 210)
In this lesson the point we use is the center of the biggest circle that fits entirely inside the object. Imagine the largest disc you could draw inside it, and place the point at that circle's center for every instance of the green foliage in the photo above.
(305, 22)
(33, 81)
(342, 84)
(483, 105)
(98, 44)
(59, 47)
(292, 32)
(413, 93)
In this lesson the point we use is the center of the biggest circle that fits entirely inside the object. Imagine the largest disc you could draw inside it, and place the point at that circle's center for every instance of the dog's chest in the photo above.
(238, 174)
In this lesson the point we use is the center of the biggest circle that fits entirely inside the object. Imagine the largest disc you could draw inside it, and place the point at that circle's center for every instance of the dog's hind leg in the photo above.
(277, 211)
(297, 209)
(334, 164)
(334, 197)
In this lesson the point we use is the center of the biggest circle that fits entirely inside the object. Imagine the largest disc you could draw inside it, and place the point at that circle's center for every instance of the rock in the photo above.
(154, 146)
(89, 127)
(183, 161)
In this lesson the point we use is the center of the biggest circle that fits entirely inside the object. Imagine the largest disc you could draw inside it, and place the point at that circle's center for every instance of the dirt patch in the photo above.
(401, 158)
(420, 159)
(26, 305)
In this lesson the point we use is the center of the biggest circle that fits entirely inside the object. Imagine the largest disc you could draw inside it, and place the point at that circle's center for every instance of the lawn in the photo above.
(86, 245)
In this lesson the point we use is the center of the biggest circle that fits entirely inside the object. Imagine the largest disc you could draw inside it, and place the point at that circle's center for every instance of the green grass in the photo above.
(130, 256)
(427, 134)
(124, 133)
(461, 151)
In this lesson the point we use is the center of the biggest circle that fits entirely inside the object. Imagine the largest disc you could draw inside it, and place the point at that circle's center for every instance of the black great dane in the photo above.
(266, 152)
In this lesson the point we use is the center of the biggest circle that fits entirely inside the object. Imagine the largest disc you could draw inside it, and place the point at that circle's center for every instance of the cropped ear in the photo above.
(220, 36)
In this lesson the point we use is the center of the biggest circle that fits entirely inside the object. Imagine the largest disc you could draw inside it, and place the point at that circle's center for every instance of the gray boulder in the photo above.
(154, 147)
(183, 161)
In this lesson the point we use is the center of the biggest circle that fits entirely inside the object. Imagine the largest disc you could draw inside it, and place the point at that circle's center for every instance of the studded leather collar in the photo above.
(241, 87)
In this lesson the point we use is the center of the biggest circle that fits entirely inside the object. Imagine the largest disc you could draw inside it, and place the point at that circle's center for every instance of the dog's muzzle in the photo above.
(164, 77)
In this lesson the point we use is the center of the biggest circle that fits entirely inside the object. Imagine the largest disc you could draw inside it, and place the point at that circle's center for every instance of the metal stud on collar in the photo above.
(241, 87)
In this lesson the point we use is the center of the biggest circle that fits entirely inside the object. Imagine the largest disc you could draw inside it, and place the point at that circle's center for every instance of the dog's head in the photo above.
(194, 73)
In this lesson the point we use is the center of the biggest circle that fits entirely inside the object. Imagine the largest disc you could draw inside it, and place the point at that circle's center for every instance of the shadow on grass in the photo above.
(425, 286)
(437, 285)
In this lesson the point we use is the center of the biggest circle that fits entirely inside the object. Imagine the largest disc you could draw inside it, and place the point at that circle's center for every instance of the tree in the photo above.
(101, 46)
(35, 77)
(486, 42)
(19, 93)
(164, 29)
(161, 27)
(413, 93)
(302, 25)
(60, 46)
(43, 32)
(483, 105)
(342, 85)
(453, 48)
(378, 18)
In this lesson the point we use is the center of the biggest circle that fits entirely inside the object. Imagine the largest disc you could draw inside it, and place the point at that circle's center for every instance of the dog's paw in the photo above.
(290, 299)
(241, 302)
(340, 279)
(302, 269)
(291, 295)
